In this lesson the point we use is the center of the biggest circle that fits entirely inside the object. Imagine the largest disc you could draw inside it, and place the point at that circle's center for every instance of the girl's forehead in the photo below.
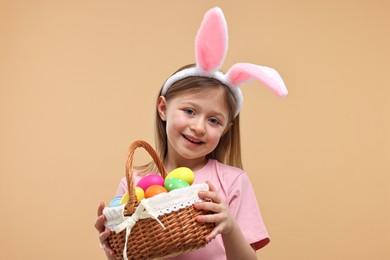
(214, 94)
(210, 101)
(204, 92)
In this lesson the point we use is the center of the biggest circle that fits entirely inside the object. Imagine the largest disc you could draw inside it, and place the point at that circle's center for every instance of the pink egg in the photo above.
(149, 180)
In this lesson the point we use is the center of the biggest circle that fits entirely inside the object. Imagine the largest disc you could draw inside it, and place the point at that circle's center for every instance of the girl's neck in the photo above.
(193, 164)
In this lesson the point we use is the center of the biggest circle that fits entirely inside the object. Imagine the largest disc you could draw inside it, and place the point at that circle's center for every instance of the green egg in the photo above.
(175, 183)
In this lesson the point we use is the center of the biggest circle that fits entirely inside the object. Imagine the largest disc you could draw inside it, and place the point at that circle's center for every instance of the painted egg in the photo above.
(154, 190)
(139, 192)
(149, 180)
(115, 202)
(125, 198)
(175, 183)
(183, 173)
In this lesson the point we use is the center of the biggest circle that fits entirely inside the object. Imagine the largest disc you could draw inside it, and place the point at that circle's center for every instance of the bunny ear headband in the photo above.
(211, 45)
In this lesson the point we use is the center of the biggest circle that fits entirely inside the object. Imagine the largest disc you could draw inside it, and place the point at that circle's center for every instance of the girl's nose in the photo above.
(198, 126)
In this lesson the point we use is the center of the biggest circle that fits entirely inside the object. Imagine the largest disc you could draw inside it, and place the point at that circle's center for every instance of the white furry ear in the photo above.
(211, 42)
(241, 73)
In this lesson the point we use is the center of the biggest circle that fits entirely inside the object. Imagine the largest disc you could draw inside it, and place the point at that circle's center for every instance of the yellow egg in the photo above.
(139, 192)
(184, 173)
(125, 198)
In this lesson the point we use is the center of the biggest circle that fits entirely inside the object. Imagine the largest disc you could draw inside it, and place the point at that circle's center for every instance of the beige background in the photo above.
(78, 81)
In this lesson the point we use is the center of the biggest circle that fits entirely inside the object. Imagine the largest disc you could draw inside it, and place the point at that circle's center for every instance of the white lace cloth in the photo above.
(154, 207)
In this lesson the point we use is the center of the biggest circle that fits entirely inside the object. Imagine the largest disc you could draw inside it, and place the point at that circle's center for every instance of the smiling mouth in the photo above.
(192, 140)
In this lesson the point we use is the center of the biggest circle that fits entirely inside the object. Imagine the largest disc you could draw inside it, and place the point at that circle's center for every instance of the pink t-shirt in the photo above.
(234, 187)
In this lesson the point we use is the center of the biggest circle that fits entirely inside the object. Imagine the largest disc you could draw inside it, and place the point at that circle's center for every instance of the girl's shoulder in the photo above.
(215, 170)
(228, 180)
(223, 168)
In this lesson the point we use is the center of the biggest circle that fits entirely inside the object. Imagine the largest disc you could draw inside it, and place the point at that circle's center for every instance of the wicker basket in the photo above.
(148, 240)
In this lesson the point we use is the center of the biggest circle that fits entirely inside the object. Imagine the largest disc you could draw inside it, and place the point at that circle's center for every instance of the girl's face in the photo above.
(195, 122)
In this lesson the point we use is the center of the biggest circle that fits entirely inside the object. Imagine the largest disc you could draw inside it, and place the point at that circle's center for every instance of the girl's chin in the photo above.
(191, 154)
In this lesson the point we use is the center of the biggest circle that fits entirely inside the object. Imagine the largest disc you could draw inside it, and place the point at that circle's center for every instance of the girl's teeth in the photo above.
(189, 139)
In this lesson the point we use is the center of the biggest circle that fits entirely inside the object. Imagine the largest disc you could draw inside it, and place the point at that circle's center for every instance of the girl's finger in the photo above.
(108, 250)
(211, 187)
(103, 236)
(213, 234)
(99, 224)
(208, 206)
(210, 218)
(100, 209)
(214, 194)
(211, 195)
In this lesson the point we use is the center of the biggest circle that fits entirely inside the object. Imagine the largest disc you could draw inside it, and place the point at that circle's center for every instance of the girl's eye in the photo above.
(214, 121)
(189, 111)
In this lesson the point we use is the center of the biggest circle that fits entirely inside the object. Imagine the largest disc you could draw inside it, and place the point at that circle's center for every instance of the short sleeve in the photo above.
(243, 204)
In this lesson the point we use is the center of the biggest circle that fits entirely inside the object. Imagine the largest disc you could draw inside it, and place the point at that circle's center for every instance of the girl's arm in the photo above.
(236, 246)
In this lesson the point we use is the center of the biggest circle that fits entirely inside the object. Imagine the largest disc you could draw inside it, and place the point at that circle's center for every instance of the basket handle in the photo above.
(129, 170)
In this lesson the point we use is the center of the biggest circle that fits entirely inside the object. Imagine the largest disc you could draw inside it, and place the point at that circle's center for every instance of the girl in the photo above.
(197, 126)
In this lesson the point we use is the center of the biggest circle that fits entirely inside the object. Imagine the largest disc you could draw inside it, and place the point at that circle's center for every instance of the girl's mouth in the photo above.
(192, 140)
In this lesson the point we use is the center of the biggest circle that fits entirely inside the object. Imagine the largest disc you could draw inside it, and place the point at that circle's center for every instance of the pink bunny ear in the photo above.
(241, 73)
(211, 41)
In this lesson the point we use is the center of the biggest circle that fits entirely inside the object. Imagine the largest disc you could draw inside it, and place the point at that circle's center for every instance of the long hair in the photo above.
(228, 150)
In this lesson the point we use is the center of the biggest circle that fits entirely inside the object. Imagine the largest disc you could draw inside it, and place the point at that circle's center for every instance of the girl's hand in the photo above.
(223, 219)
(104, 233)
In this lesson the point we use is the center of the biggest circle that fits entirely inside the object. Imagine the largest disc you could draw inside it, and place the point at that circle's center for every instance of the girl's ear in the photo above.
(162, 108)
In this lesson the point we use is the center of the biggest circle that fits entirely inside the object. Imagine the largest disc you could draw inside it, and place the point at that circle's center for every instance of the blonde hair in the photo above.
(228, 150)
